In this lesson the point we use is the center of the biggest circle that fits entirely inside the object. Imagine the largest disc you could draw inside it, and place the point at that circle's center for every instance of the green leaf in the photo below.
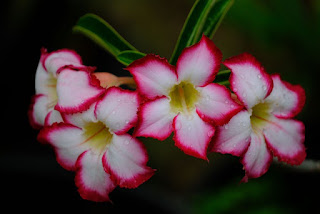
(215, 16)
(127, 57)
(204, 18)
(102, 33)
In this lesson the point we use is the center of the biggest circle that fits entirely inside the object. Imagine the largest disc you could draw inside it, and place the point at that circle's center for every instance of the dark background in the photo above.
(284, 37)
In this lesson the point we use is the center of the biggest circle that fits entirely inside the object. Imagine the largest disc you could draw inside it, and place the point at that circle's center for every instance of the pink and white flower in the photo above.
(182, 99)
(265, 127)
(42, 109)
(95, 143)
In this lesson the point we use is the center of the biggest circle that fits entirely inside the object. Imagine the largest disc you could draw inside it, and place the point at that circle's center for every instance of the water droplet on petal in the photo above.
(243, 124)
(113, 112)
(226, 102)
(259, 76)
(232, 106)
(235, 89)
(189, 127)
(226, 126)
(264, 88)
(126, 142)
(244, 94)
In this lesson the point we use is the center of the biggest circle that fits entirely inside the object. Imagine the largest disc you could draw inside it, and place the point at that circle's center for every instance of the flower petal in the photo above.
(155, 119)
(248, 79)
(76, 91)
(53, 117)
(234, 137)
(125, 159)
(216, 105)
(118, 109)
(42, 77)
(93, 182)
(154, 76)
(38, 111)
(67, 142)
(199, 63)
(285, 139)
(57, 59)
(81, 119)
(257, 159)
(287, 100)
(192, 135)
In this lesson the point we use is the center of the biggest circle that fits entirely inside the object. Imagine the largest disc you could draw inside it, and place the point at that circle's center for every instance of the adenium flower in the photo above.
(45, 98)
(182, 99)
(94, 143)
(264, 128)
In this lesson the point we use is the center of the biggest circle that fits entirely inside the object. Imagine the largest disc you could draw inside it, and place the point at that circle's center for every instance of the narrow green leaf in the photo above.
(222, 77)
(204, 18)
(215, 16)
(102, 33)
(223, 72)
(127, 57)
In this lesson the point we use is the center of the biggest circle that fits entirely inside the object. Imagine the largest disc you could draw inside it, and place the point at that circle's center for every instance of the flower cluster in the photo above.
(85, 116)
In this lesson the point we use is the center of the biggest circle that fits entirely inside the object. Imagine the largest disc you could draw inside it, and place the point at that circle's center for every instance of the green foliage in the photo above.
(127, 57)
(204, 18)
(103, 34)
(252, 197)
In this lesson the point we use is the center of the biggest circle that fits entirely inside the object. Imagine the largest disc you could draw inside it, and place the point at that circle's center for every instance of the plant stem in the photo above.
(306, 166)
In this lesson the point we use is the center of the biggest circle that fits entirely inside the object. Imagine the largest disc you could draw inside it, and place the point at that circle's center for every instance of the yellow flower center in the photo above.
(52, 91)
(97, 135)
(260, 116)
(183, 97)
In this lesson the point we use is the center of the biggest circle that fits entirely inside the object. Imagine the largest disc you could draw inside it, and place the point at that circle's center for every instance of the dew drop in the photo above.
(226, 102)
(259, 76)
(243, 124)
(127, 121)
(189, 127)
(113, 112)
(235, 89)
(264, 88)
(226, 126)
(232, 106)
(126, 142)
(244, 94)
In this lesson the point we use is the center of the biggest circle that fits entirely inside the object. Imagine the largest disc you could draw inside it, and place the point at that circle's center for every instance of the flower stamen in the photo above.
(183, 97)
